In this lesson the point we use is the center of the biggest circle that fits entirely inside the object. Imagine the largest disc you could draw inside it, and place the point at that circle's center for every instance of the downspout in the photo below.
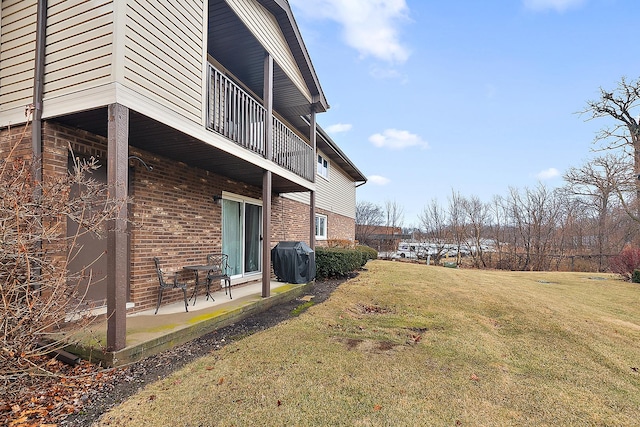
(38, 85)
(36, 124)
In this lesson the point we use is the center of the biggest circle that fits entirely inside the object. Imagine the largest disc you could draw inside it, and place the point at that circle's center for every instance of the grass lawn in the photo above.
(406, 344)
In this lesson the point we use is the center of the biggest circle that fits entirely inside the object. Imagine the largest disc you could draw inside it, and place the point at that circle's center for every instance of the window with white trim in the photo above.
(321, 227)
(323, 167)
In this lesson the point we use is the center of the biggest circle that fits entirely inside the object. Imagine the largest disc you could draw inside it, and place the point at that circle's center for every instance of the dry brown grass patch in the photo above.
(367, 345)
(408, 344)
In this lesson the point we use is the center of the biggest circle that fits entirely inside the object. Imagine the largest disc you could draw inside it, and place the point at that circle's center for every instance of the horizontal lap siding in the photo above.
(79, 52)
(264, 27)
(338, 194)
(298, 197)
(164, 53)
(17, 49)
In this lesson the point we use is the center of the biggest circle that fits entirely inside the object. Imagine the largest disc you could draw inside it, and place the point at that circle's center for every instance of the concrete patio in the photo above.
(149, 333)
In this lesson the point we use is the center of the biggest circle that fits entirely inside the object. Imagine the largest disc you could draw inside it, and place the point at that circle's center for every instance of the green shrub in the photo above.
(337, 262)
(635, 277)
(367, 253)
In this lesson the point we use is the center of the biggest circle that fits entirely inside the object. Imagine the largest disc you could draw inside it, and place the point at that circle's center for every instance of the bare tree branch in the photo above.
(620, 104)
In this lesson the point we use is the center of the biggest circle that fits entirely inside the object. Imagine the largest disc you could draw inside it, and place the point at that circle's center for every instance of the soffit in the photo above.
(155, 137)
(232, 44)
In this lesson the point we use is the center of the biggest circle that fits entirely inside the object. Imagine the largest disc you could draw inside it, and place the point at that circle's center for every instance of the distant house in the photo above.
(380, 237)
(219, 98)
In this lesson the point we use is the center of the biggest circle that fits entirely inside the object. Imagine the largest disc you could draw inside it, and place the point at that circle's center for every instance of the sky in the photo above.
(431, 97)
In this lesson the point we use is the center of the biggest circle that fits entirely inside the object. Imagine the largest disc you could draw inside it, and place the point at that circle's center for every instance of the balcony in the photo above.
(235, 114)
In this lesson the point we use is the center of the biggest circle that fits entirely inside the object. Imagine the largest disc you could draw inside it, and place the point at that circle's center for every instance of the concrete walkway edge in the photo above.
(189, 329)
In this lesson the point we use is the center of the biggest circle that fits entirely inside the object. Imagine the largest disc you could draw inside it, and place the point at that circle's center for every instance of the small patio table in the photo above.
(197, 269)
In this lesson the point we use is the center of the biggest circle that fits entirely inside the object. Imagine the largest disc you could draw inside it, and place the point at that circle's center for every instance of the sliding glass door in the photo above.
(242, 235)
(232, 234)
(252, 238)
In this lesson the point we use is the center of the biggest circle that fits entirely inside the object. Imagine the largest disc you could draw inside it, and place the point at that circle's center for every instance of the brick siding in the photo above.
(16, 141)
(290, 221)
(172, 213)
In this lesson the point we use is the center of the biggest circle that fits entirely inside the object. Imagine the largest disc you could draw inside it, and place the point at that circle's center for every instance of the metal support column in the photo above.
(266, 177)
(117, 254)
(266, 234)
(312, 194)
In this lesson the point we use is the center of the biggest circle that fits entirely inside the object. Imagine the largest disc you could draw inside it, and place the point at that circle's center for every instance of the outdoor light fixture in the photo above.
(149, 168)
(217, 199)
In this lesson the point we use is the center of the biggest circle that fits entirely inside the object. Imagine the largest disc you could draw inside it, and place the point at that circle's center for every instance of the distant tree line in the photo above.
(579, 226)
(529, 229)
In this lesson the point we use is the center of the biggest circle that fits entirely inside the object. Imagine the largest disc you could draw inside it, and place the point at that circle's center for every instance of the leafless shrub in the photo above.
(626, 261)
(37, 292)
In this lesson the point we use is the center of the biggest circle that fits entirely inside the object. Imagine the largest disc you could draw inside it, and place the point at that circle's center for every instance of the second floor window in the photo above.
(323, 167)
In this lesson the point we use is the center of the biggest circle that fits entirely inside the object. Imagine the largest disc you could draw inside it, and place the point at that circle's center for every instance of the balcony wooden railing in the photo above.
(234, 113)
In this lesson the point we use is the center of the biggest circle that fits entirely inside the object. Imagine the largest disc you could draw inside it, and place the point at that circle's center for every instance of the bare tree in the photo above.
(562, 238)
(596, 184)
(620, 104)
(457, 222)
(478, 220)
(434, 223)
(394, 213)
(519, 238)
(545, 208)
(534, 214)
(498, 228)
(369, 217)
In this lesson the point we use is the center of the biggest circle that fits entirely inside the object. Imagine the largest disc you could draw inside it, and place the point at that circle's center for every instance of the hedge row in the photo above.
(339, 262)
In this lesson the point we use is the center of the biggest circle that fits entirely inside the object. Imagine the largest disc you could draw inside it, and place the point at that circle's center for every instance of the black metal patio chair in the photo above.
(164, 284)
(219, 270)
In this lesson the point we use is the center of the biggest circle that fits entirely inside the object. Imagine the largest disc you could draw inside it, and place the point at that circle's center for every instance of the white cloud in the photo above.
(339, 127)
(388, 73)
(547, 174)
(378, 180)
(371, 27)
(557, 5)
(397, 139)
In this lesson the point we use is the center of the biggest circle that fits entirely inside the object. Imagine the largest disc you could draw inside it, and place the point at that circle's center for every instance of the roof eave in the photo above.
(351, 168)
(282, 11)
